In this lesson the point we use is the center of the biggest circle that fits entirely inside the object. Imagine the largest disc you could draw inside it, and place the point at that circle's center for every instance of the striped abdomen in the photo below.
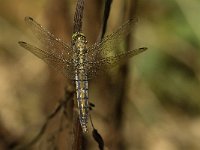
(82, 99)
(80, 60)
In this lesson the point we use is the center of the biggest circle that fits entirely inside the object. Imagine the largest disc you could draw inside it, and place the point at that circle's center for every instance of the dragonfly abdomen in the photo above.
(82, 99)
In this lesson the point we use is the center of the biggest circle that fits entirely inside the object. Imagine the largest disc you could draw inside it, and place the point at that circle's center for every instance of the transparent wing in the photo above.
(97, 67)
(111, 42)
(52, 60)
(50, 44)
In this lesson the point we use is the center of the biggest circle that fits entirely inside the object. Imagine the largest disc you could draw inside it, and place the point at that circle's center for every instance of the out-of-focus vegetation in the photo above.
(162, 106)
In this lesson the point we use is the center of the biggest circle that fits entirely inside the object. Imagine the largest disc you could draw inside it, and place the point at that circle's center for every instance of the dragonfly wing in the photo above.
(117, 59)
(49, 42)
(104, 64)
(111, 42)
(59, 64)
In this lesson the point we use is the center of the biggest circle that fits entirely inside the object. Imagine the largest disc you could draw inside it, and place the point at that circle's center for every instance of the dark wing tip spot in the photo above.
(134, 19)
(21, 43)
(143, 48)
(28, 18)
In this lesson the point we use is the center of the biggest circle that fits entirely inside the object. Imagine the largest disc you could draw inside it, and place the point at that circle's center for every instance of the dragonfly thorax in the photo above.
(80, 52)
(79, 42)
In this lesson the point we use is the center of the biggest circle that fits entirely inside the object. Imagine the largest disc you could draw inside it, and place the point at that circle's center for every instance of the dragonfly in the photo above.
(79, 62)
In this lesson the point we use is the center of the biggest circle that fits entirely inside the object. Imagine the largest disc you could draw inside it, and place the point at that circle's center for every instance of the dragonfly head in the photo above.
(79, 40)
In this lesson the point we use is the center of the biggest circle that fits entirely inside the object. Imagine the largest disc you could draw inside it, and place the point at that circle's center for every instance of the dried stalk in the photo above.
(77, 131)
(78, 16)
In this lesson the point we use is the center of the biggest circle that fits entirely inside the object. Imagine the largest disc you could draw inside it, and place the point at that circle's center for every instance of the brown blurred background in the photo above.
(159, 108)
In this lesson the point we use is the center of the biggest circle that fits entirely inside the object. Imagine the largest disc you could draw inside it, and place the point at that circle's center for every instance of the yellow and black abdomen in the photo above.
(82, 99)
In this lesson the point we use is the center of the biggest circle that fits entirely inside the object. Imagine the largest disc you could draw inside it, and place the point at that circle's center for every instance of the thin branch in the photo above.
(78, 16)
(97, 137)
(78, 136)
(105, 19)
(43, 129)
(61, 104)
